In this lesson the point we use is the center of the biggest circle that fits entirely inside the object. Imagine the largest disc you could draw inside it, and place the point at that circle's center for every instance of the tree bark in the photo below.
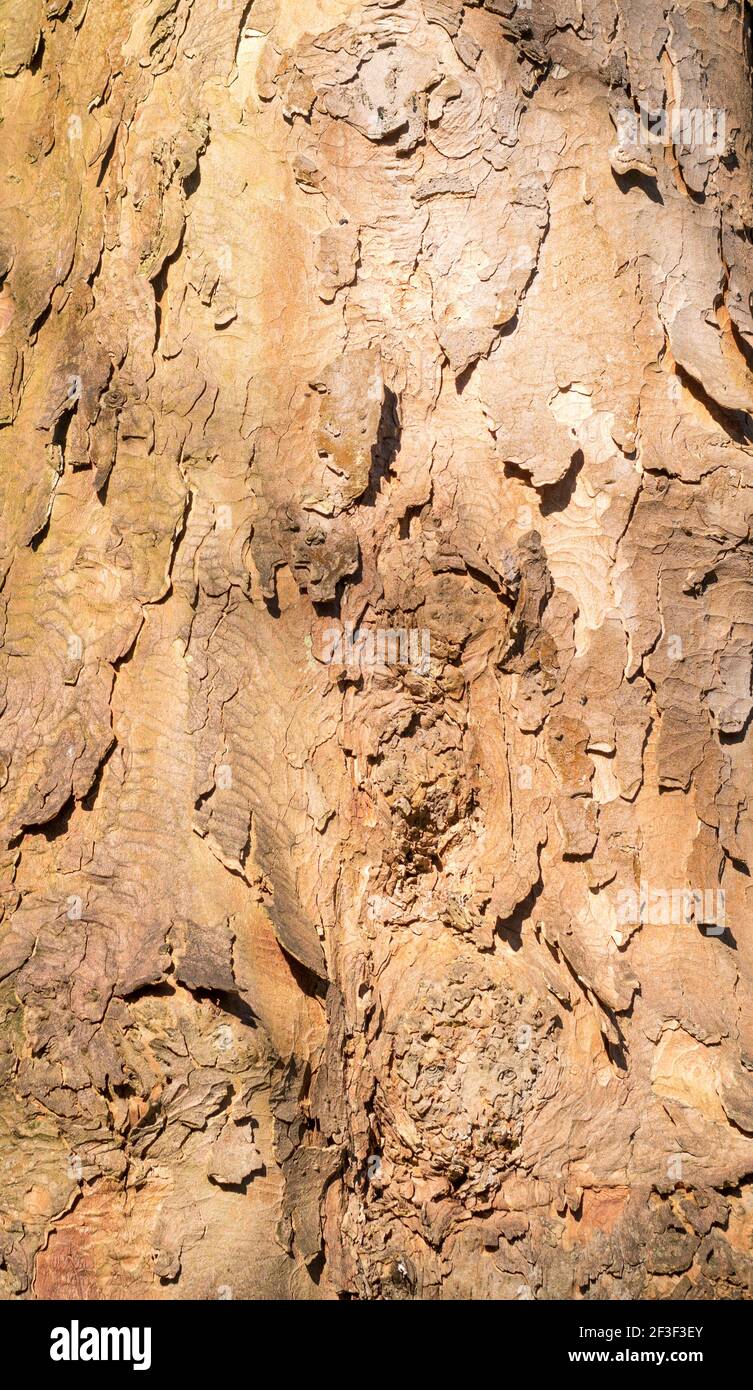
(378, 631)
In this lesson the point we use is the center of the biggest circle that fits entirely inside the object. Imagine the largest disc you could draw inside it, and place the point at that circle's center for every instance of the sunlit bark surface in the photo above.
(376, 663)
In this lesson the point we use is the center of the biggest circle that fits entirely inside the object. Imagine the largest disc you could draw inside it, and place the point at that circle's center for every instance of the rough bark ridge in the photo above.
(321, 315)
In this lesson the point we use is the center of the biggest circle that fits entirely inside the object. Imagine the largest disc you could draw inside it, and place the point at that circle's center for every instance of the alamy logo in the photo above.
(666, 907)
(358, 648)
(688, 127)
(76, 1343)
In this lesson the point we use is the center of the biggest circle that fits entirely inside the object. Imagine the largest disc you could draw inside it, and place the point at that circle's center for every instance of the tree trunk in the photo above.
(378, 628)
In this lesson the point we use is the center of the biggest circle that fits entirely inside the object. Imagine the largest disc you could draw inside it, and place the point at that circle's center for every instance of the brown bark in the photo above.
(363, 972)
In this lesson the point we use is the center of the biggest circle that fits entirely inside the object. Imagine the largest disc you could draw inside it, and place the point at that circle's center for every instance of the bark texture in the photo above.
(315, 976)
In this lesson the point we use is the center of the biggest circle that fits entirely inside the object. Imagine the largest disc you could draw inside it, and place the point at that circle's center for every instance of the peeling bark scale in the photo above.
(376, 458)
